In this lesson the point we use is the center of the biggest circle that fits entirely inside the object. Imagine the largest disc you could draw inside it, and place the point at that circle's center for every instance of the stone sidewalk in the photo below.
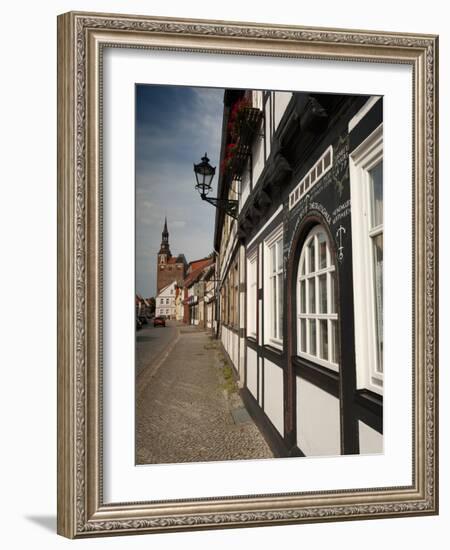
(190, 411)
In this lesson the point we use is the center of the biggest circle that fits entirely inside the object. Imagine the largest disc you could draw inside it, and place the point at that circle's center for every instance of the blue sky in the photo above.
(175, 126)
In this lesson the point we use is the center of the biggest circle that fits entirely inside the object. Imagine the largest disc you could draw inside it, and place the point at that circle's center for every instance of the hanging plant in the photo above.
(230, 152)
(237, 116)
(236, 120)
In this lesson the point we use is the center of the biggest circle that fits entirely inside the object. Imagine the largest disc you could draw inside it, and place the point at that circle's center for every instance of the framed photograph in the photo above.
(233, 350)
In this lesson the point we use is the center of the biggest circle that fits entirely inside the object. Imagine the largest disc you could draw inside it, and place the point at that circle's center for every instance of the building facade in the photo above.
(194, 288)
(209, 298)
(165, 301)
(179, 307)
(144, 308)
(301, 268)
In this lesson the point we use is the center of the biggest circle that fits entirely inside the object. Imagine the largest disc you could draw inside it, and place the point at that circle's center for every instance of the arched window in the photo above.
(317, 318)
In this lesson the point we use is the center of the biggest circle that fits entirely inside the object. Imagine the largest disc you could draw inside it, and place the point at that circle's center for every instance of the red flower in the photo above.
(234, 121)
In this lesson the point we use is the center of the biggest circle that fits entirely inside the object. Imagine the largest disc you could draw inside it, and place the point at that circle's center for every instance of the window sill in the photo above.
(322, 377)
(369, 407)
(318, 361)
(370, 400)
(274, 348)
(234, 328)
(275, 344)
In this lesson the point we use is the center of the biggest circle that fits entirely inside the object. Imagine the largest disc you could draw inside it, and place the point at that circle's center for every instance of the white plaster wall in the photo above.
(252, 366)
(258, 159)
(273, 394)
(230, 343)
(267, 127)
(245, 189)
(370, 441)
(318, 424)
(281, 102)
(260, 383)
(235, 349)
(224, 337)
(242, 299)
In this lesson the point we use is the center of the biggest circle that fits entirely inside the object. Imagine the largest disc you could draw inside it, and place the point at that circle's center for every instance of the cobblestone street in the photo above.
(188, 408)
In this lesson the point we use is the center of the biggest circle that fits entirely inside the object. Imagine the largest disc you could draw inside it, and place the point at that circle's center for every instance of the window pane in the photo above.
(273, 266)
(274, 307)
(322, 250)
(323, 293)
(335, 338)
(302, 265)
(303, 334)
(302, 307)
(332, 301)
(312, 295)
(280, 255)
(376, 190)
(378, 278)
(312, 257)
(312, 337)
(323, 335)
(280, 306)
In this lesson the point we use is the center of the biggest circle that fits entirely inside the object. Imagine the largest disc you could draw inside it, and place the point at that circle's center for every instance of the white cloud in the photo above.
(178, 223)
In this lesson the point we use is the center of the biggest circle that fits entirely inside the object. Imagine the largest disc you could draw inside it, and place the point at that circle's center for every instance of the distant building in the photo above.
(169, 268)
(194, 290)
(179, 306)
(165, 301)
(144, 308)
(209, 298)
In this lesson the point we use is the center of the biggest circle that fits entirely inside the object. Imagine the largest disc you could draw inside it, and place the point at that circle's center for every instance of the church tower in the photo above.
(169, 268)
(164, 252)
(164, 256)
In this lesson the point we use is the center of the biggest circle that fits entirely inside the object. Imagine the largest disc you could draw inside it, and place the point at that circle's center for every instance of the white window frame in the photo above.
(267, 121)
(365, 157)
(252, 290)
(257, 99)
(329, 316)
(272, 240)
(313, 176)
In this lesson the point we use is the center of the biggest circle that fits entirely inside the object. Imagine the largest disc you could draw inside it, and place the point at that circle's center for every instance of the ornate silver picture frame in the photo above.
(83, 510)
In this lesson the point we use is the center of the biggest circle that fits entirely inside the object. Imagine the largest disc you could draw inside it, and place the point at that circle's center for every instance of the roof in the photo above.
(209, 272)
(195, 264)
(198, 271)
(180, 259)
(166, 287)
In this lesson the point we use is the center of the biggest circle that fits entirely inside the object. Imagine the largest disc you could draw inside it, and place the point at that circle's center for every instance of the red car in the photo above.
(159, 322)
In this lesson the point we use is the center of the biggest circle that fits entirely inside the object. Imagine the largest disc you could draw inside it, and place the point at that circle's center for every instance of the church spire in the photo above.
(165, 240)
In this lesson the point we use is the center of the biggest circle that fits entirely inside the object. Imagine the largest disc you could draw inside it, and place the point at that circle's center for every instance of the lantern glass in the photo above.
(204, 174)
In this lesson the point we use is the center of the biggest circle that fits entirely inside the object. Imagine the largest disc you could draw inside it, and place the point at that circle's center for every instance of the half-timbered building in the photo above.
(300, 267)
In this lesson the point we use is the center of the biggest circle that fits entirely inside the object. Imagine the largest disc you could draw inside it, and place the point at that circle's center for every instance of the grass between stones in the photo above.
(229, 384)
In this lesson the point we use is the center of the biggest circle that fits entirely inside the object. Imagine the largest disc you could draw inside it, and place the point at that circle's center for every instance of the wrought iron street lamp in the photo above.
(204, 174)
